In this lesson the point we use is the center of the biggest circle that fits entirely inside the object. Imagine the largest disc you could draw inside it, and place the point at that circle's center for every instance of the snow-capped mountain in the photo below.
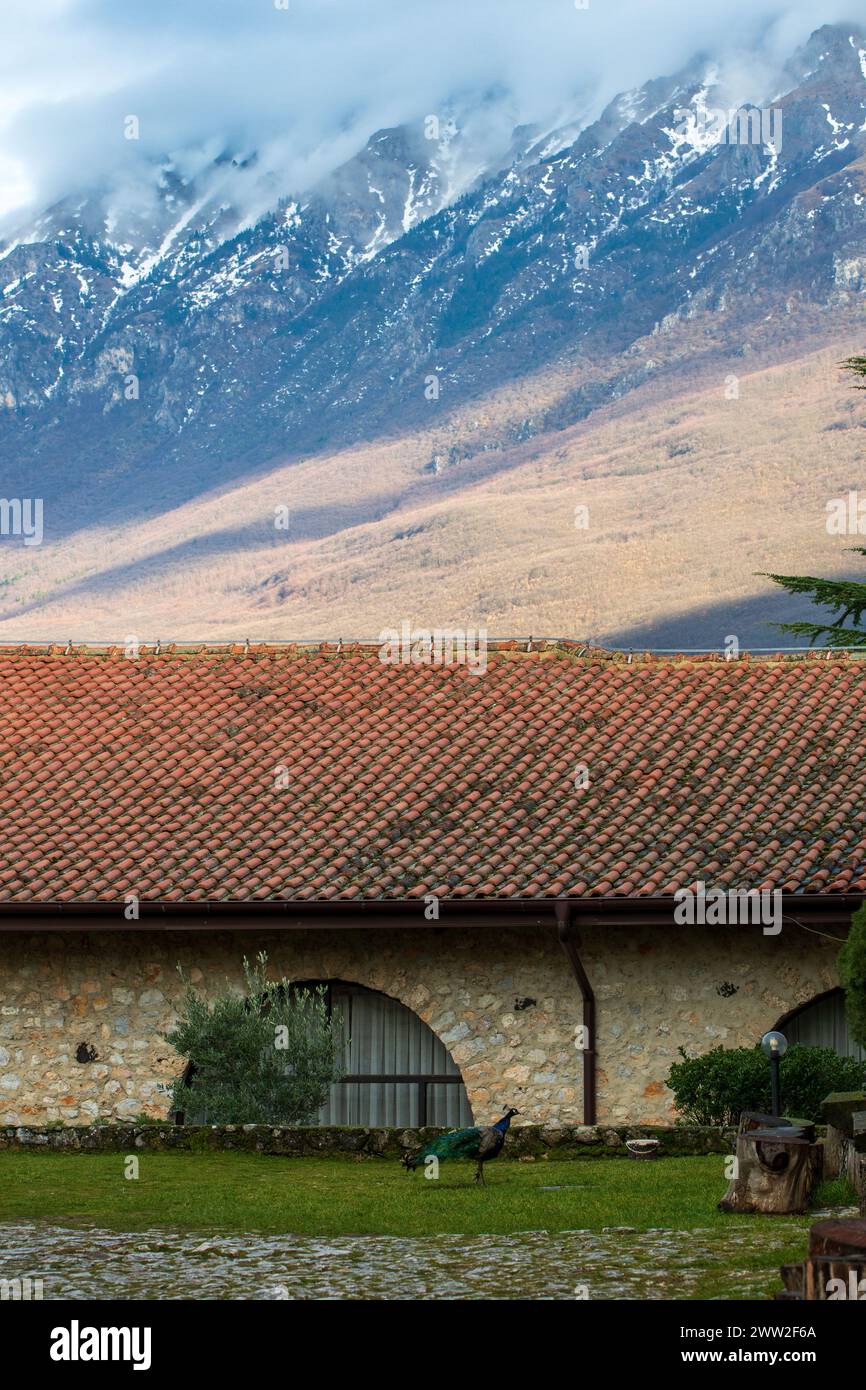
(149, 354)
(92, 262)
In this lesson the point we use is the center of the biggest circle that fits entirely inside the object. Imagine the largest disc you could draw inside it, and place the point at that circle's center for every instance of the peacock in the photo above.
(477, 1143)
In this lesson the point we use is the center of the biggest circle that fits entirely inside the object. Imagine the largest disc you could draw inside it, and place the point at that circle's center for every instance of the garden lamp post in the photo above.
(774, 1046)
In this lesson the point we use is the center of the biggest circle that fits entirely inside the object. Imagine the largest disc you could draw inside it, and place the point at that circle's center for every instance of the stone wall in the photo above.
(503, 1000)
(528, 1142)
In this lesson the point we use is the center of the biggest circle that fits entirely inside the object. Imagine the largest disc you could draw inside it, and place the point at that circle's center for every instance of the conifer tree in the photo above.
(852, 973)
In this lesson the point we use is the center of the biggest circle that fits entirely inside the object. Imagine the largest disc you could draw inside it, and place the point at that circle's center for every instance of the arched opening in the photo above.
(822, 1023)
(397, 1071)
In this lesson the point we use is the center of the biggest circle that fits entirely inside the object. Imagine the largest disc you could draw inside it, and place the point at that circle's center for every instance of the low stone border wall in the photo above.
(525, 1142)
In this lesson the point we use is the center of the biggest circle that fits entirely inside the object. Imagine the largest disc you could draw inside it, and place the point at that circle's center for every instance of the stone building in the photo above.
(525, 884)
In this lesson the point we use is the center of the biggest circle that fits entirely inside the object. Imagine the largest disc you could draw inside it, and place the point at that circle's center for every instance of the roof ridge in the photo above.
(538, 648)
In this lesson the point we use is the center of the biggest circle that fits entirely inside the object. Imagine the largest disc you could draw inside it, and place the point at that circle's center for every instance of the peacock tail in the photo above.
(459, 1143)
(477, 1143)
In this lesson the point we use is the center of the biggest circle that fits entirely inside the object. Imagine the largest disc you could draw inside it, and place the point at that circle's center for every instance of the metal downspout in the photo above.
(570, 941)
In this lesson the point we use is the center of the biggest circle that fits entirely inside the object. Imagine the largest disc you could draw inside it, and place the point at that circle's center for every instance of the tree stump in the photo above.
(792, 1280)
(840, 1107)
(756, 1119)
(777, 1168)
(843, 1112)
(834, 1152)
(794, 1128)
(835, 1268)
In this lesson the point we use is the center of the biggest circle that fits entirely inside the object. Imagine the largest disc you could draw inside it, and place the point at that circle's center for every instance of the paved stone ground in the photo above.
(617, 1263)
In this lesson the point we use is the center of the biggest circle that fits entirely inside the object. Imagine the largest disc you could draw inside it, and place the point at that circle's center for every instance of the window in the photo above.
(822, 1023)
(397, 1070)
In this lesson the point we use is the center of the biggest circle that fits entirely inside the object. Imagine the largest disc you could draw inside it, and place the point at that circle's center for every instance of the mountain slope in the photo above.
(413, 323)
(681, 518)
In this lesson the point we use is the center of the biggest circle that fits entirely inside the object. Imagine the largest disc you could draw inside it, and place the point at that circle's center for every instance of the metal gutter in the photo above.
(234, 914)
(570, 942)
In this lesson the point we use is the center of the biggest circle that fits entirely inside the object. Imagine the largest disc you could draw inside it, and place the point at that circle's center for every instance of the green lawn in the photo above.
(334, 1196)
(233, 1194)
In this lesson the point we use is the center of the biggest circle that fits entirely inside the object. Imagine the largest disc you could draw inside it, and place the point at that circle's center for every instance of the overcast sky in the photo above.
(309, 83)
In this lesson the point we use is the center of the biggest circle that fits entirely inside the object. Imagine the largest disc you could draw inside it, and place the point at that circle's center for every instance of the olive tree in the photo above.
(267, 1055)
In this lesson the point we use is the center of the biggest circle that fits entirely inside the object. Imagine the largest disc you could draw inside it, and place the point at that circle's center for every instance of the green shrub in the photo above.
(714, 1088)
(265, 1057)
(852, 972)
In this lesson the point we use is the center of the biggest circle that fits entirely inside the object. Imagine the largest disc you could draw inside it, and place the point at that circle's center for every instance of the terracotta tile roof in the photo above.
(161, 777)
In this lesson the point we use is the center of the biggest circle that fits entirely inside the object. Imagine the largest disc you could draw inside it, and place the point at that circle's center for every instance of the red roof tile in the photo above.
(160, 776)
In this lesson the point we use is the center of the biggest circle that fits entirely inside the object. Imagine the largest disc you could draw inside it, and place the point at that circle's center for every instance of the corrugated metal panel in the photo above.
(823, 1024)
(386, 1038)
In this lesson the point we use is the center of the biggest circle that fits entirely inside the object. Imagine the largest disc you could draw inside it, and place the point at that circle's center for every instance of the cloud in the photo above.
(306, 85)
